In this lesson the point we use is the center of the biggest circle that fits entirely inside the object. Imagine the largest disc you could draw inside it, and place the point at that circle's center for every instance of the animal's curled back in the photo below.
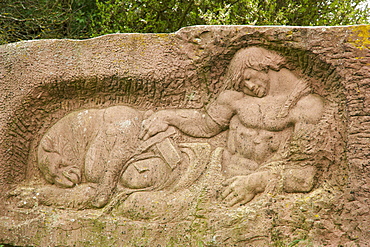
(85, 145)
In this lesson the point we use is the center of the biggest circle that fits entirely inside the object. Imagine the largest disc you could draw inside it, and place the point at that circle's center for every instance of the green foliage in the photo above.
(39, 19)
(36, 19)
(288, 12)
(143, 16)
(168, 16)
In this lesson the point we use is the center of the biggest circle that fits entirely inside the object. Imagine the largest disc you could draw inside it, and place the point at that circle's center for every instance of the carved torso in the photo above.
(260, 113)
(255, 133)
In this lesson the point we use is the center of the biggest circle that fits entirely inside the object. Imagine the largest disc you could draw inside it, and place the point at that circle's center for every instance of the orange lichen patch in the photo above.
(360, 37)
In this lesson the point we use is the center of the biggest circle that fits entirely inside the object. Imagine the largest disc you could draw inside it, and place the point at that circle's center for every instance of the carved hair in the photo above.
(301, 89)
(256, 58)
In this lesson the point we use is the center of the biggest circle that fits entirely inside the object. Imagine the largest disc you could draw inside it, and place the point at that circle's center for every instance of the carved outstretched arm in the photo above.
(193, 122)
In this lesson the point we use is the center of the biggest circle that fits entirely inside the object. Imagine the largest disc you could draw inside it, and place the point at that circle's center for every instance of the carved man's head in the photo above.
(248, 69)
(254, 83)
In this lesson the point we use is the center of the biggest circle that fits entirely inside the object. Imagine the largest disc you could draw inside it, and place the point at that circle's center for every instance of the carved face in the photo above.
(59, 171)
(67, 175)
(255, 83)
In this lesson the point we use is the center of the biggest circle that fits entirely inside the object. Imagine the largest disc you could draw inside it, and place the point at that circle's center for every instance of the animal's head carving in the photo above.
(55, 166)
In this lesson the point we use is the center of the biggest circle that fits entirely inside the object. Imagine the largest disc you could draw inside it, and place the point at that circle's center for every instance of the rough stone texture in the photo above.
(43, 81)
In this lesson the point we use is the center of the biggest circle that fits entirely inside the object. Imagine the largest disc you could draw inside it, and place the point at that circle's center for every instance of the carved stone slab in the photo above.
(210, 136)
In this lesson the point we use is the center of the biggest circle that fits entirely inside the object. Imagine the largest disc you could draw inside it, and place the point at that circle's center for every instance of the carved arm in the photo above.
(192, 122)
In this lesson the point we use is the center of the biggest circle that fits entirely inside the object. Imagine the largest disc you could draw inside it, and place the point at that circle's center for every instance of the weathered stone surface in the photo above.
(89, 159)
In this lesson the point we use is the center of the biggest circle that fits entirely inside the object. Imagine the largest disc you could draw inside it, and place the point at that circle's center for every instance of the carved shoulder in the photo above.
(308, 110)
(227, 97)
(222, 110)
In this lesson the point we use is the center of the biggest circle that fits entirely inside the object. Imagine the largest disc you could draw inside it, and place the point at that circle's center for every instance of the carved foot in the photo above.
(101, 198)
(100, 201)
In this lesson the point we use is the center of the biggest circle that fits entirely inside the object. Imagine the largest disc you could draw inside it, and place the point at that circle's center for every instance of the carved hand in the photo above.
(154, 124)
(242, 189)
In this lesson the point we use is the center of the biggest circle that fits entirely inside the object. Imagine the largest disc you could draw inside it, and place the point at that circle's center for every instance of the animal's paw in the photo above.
(24, 197)
(51, 195)
(101, 199)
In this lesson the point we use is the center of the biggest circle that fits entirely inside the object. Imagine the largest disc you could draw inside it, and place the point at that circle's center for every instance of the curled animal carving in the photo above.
(101, 147)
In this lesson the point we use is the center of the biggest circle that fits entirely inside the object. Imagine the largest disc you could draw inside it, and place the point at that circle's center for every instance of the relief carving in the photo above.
(97, 157)
(262, 106)
(98, 152)
(210, 136)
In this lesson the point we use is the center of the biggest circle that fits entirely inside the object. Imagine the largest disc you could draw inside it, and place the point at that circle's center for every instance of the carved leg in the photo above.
(107, 183)
(77, 197)
(111, 153)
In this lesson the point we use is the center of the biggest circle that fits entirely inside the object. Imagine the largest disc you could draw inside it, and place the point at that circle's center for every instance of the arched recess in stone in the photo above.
(191, 78)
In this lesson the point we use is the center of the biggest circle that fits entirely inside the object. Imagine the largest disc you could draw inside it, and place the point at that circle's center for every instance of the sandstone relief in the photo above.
(263, 104)
(99, 153)
(222, 138)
